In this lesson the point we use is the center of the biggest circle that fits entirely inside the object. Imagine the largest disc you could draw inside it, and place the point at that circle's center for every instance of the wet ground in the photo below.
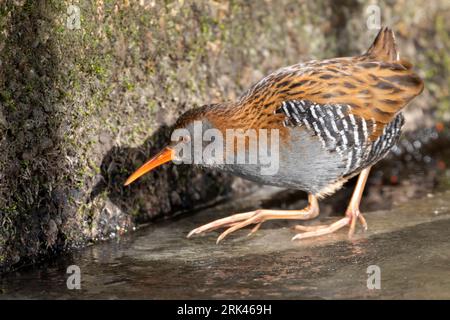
(410, 245)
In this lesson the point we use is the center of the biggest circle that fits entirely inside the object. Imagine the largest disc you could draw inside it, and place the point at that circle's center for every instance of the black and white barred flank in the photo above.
(343, 132)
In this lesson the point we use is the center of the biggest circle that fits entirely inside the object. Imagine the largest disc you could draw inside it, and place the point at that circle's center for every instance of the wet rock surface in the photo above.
(410, 245)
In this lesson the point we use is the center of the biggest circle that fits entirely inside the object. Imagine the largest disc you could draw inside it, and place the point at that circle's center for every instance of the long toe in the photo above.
(323, 230)
(222, 223)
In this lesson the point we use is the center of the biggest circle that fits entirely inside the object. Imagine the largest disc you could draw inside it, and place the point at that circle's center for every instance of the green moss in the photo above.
(7, 100)
(128, 85)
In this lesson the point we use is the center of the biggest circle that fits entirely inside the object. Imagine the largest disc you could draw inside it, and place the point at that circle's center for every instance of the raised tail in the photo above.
(384, 47)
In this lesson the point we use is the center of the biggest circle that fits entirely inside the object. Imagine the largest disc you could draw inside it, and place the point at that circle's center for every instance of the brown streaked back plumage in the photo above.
(376, 84)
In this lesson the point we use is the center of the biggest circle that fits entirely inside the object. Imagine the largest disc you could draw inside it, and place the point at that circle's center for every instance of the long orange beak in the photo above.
(162, 157)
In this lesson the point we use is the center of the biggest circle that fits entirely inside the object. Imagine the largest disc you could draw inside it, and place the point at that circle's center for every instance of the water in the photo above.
(409, 243)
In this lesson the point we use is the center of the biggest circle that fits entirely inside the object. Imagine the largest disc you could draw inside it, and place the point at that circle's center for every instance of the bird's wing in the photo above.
(341, 131)
(376, 85)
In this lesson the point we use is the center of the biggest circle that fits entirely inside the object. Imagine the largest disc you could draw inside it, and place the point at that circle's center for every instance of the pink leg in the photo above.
(241, 220)
(351, 214)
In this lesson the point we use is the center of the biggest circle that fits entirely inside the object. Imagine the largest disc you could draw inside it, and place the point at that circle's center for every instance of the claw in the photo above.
(190, 234)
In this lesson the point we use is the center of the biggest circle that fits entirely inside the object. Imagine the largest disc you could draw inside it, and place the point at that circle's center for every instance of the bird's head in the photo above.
(183, 140)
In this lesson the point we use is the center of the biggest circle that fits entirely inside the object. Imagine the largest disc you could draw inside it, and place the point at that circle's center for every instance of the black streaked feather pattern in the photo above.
(342, 132)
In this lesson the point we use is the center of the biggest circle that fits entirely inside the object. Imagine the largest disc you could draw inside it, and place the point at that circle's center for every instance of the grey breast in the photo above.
(303, 164)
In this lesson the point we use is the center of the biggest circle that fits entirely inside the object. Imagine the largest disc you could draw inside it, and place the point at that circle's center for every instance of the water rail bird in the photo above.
(336, 118)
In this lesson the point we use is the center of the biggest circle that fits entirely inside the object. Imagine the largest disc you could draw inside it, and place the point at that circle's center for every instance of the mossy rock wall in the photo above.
(82, 107)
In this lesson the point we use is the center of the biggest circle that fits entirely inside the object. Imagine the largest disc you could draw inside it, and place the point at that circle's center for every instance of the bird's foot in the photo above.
(224, 222)
(233, 223)
(241, 220)
(349, 219)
